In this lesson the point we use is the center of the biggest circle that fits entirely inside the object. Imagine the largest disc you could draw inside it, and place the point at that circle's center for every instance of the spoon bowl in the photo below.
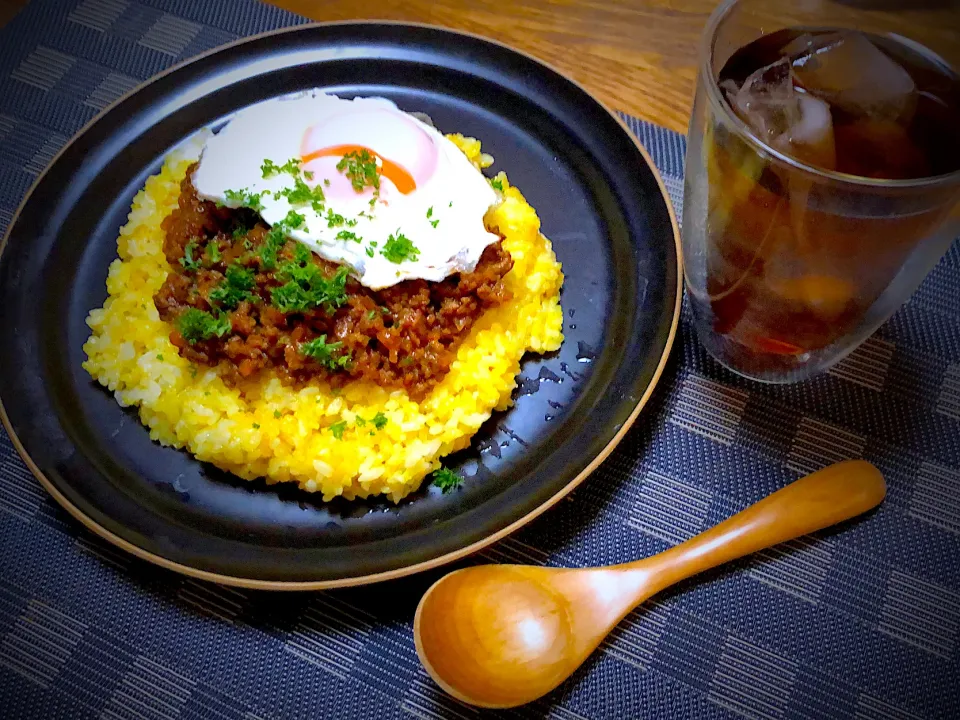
(499, 636)
(532, 640)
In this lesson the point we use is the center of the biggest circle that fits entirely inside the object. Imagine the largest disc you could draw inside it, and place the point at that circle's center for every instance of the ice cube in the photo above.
(808, 43)
(767, 100)
(810, 138)
(792, 121)
(853, 74)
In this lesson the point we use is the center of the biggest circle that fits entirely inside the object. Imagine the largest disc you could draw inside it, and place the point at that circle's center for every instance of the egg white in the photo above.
(443, 218)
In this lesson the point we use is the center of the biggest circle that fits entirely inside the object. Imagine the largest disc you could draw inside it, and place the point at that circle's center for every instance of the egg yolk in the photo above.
(405, 154)
(386, 167)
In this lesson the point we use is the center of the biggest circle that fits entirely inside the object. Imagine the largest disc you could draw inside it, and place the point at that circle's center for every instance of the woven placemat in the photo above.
(860, 622)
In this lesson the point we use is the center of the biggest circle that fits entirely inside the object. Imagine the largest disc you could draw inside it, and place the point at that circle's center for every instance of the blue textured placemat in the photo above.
(862, 622)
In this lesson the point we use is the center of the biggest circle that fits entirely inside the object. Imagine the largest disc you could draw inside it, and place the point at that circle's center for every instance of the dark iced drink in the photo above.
(836, 191)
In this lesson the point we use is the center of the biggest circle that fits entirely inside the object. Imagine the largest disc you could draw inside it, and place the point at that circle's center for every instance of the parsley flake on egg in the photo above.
(399, 248)
(361, 170)
(295, 221)
(349, 235)
(245, 198)
(270, 169)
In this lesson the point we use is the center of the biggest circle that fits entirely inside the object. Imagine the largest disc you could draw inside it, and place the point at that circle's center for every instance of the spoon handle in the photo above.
(827, 497)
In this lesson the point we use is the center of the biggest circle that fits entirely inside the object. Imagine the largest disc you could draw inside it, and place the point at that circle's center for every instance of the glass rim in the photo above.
(723, 109)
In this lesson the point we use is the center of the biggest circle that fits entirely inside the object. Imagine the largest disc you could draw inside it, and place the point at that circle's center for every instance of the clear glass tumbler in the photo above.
(789, 265)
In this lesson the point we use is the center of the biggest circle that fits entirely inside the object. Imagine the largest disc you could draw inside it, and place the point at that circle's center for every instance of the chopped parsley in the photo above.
(337, 220)
(299, 194)
(360, 169)
(308, 174)
(348, 235)
(245, 198)
(337, 429)
(235, 288)
(371, 315)
(326, 181)
(256, 426)
(446, 479)
(239, 231)
(369, 252)
(434, 223)
(195, 325)
(277, 414)
(497, 183)
(430, 212)
(212, 251)
(398, 248)
(276, 237)
(379, 421)
(295, 220)
(306, 287)
(160, 358)
(271, 169)
(325, 353)
(188, 261)
(451, 204)
(301, 254)
(302, 194)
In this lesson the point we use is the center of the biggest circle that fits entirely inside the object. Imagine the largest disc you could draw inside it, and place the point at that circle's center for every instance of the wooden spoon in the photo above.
(499, 636)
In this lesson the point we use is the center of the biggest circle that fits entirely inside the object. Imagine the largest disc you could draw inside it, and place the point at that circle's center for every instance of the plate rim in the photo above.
(309, 585)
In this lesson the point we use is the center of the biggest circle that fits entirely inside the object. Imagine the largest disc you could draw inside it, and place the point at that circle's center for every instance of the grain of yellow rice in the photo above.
(266, 428)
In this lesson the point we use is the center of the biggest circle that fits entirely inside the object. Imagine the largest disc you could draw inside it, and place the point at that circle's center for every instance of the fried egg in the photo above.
(369, 186)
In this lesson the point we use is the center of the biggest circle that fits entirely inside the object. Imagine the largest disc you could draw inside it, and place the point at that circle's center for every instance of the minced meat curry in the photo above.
(241, 295)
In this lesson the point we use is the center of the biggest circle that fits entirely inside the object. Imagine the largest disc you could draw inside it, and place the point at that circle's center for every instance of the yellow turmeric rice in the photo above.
(266, 428)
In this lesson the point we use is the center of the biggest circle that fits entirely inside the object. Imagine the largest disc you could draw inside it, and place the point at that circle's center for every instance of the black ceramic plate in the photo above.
(600, 201)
